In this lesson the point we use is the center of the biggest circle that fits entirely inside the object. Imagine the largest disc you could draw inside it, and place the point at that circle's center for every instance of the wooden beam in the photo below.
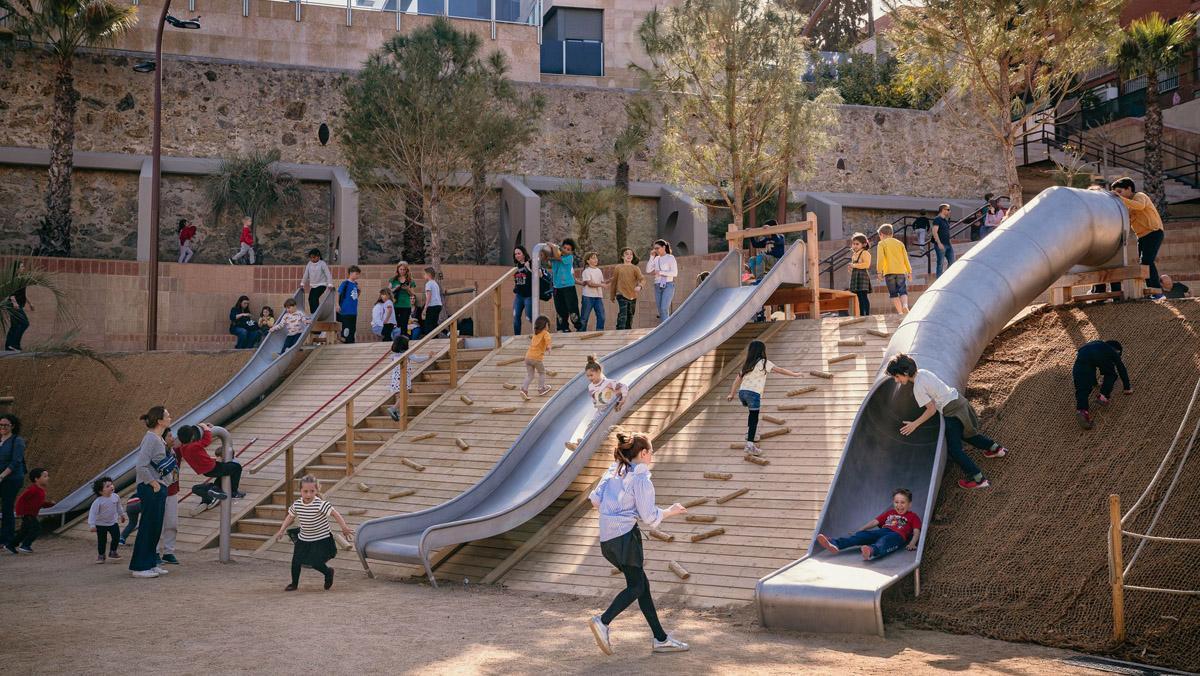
(786, 228)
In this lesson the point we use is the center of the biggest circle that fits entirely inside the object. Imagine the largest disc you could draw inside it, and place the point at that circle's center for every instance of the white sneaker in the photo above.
(204, 507)
(752, 448)
(159, 570)
(144, 573)
(671, 645)
(600, 631)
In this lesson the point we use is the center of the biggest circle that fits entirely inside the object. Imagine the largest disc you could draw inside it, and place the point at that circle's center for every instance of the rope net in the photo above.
(1027, 559)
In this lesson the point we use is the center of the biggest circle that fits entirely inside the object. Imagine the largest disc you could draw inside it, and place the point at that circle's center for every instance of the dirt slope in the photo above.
(1026, 559)
(78, 419)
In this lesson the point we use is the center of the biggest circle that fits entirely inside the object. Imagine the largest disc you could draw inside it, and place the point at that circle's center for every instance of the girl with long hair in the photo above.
(749, 385)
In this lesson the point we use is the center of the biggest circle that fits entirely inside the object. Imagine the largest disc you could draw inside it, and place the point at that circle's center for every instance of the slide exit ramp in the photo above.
(256, 378)
(946, 332)
(538, 467)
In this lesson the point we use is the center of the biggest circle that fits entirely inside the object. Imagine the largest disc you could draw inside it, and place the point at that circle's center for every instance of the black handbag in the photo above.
(545, 285)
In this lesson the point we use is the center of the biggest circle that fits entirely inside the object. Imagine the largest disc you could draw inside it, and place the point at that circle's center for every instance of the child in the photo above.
(623, 496)
(626, 285)
(539, 343)
(347, 311)
(399, 347)
(103, 517)
(195, 440)
(293, 322)
(592, 281)
(404, 291)
(860, 272)
(29, 503)
(245, 243)
(266, 319)
(602, 389)
(894, 267)
(314, 546)
(316, 279)
(1102, 355)
(133, 509)
(383, 315)
(433, 302)
(170, 523)
(962, 423)
(885, 533)
(186, 232)
(566, 301)
(749, 385)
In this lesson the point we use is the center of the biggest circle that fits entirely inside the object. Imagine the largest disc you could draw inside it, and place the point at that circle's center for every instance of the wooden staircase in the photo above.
(370, 434)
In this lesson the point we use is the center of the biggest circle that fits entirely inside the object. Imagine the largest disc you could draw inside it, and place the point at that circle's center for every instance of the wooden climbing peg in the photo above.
(842, 357)
(851, 322)
(851, 342)
(509, 386)
(802, 390)
(615, 571)
(466, 400)
(695, 502)
(659, 535)
(700, 518)
(364, 488)
(756, 459)
(403, 493)
(773, 419)
(821, 374)
(723, 476)
(358, 511)
(589, 336)
(679, 570)
(708, 534)
(793, 407)
(461, 443)
(729, 496)
(415, 465)
(551, 373)
(878, 333)
(770, 434)
(504, 409)
(424, 436)
(510, 362)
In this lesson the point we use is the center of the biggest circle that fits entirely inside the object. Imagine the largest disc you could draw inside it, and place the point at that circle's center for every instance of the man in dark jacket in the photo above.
(1102, 355)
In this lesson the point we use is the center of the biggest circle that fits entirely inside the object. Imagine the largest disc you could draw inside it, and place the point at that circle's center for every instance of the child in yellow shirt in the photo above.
(892, 264)
(539, 343)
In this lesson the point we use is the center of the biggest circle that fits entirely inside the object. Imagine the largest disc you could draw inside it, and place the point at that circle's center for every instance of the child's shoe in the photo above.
(24, 550)
(1102, 399)
(1084, 418)
(329, 579)
(753, 448)
(290, 587)
(393, 413)
(866, 552)
(99, 558)
(10, 549)
(145, 574)
(524, 395)
(170, 558)
(238, 495)
(600, 631)
(996, 451)
(671, 645)
(971, 483)
(824, 542)
(122, 540)
(114, 555)
(544, 391)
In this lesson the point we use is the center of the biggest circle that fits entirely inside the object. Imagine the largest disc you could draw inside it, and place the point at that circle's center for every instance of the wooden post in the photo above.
(402, 405)
(497, 303)
(1116, 566)
(813, 249)
(350, 436)
(289, 472)
(453, 354)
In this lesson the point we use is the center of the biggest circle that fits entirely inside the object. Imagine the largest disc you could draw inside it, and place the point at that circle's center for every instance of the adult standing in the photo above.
(18, 320)
(404, 293)
(941, 239)
(626, 285)
(152, 492)
(1147, 226)
(522, 288)
(316, 280)
(242, 324)
(662, 269)
(12, 474)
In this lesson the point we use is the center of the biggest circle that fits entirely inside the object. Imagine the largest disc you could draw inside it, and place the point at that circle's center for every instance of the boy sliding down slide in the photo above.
(885, 533)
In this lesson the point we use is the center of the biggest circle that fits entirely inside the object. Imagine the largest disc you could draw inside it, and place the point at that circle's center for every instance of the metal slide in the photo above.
(946, 332)
(538, 467)
(259, 375)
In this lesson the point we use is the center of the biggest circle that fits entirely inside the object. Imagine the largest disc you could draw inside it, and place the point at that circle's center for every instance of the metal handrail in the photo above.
(450, 322)
(1187, 170)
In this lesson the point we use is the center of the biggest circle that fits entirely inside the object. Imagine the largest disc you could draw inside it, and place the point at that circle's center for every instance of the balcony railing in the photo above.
(501, 11)
(573, 57)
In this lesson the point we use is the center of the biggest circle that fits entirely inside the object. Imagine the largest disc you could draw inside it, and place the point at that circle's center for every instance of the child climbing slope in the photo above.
(535, 357)
(895, 528)
(314, 546)
(749, 384)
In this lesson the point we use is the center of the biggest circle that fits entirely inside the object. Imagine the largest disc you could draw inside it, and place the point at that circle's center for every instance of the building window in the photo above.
(573, 41)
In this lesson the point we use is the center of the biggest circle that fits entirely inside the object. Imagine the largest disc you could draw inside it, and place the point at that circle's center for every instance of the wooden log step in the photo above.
(659, 535)
(723, 476)
(679, 570)
(504, 409)
(700, 518)
(771, 434)
(802, 390)
(879, 333)
(852, 322)
(695, 502)
(509, 386)
(729, 496)
(851, 342)
(424, 436)
(357, 511)
(589, 336)
(756, 459)
(551, 373)
(466, 400)
(402, 493)
(363, 487)
(773, 419)
(793, 407)
(412, 464)
(708, 534)
(462, 444)
(821, 374)
(510, 362)
(842, 357)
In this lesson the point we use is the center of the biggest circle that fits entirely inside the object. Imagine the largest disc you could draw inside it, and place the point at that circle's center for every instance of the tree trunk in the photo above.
(428, 200)
(55, 233)
(1153, 127)
(413, 235)
(478, 215)
(737, 214)
(1015, 196)
(621, 210)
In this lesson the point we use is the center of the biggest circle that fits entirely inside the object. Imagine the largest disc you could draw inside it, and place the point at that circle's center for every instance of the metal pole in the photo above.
(535, 267)
(155, 187)
(493, 19)
(226, 504)
(349, 13)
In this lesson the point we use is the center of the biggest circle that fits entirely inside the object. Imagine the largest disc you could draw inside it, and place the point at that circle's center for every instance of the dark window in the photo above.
(573, 41)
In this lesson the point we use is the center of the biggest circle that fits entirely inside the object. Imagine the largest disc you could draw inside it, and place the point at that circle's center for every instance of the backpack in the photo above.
(545, 285)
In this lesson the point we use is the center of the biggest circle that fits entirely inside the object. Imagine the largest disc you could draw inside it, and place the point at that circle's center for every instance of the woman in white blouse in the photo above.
(662, 269)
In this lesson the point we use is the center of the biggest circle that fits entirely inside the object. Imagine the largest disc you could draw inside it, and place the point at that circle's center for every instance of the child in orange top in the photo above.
(539, 344)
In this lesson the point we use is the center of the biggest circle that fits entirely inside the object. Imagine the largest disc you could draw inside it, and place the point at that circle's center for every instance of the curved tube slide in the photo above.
(946, 333)
(538, 467)
(256, 378)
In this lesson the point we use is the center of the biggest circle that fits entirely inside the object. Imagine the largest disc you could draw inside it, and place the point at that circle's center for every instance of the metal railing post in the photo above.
(226, 517)
(497, 301)
(1116, 567)
(493, 19)
(298, 3)
(453, 354)
(350, 436)
(349, 13)
(289, 471)
(245, 8)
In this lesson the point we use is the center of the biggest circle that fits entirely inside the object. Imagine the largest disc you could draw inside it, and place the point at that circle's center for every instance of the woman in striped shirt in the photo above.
(314, 544)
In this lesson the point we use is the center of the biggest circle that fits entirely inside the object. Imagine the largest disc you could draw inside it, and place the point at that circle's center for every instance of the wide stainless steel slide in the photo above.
(946, 332)
(259, 375)
(538, 467)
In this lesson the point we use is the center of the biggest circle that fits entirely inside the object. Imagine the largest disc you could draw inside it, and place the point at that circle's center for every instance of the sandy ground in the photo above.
(65, 614)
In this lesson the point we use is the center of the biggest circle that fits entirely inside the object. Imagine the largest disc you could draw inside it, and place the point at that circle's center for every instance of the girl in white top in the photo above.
(592, 281)
(383, 315)
(749, 385)
(663, 269)
(314, 543)
(601, 390)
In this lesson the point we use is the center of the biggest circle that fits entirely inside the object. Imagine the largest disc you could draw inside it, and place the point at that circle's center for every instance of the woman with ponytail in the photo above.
(624, 496)
(152, 468)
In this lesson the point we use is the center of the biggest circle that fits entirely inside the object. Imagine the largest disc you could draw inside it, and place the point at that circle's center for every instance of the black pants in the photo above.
(30, 530)
(402, 316)
(314, 298)
(864, 303)
(566, 306)
(231, 469)
(637, 588)
(134, 512)
(429, 320)
(1084, 379)
(349, 324)
(9, 489)
(103, 533)
(18, 322)
(1148, 246)
(626, 308)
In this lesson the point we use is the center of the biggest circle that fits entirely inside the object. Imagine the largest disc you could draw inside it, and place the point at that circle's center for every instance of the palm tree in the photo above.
(584, 207)
(253, 185)
(629, 141)
(64, 27)
(1151, 45)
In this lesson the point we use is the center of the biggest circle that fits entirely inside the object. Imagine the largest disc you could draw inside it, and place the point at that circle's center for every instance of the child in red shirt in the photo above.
(245, 243)
(885, 533)
(195, 440)
(29, 503)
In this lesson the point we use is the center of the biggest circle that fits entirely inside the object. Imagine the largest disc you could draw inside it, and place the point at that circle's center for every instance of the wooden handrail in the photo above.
(451, 321)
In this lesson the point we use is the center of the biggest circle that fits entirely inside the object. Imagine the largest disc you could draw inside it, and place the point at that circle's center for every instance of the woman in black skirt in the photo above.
(625, 495)
(314, 542)
(860, 272)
